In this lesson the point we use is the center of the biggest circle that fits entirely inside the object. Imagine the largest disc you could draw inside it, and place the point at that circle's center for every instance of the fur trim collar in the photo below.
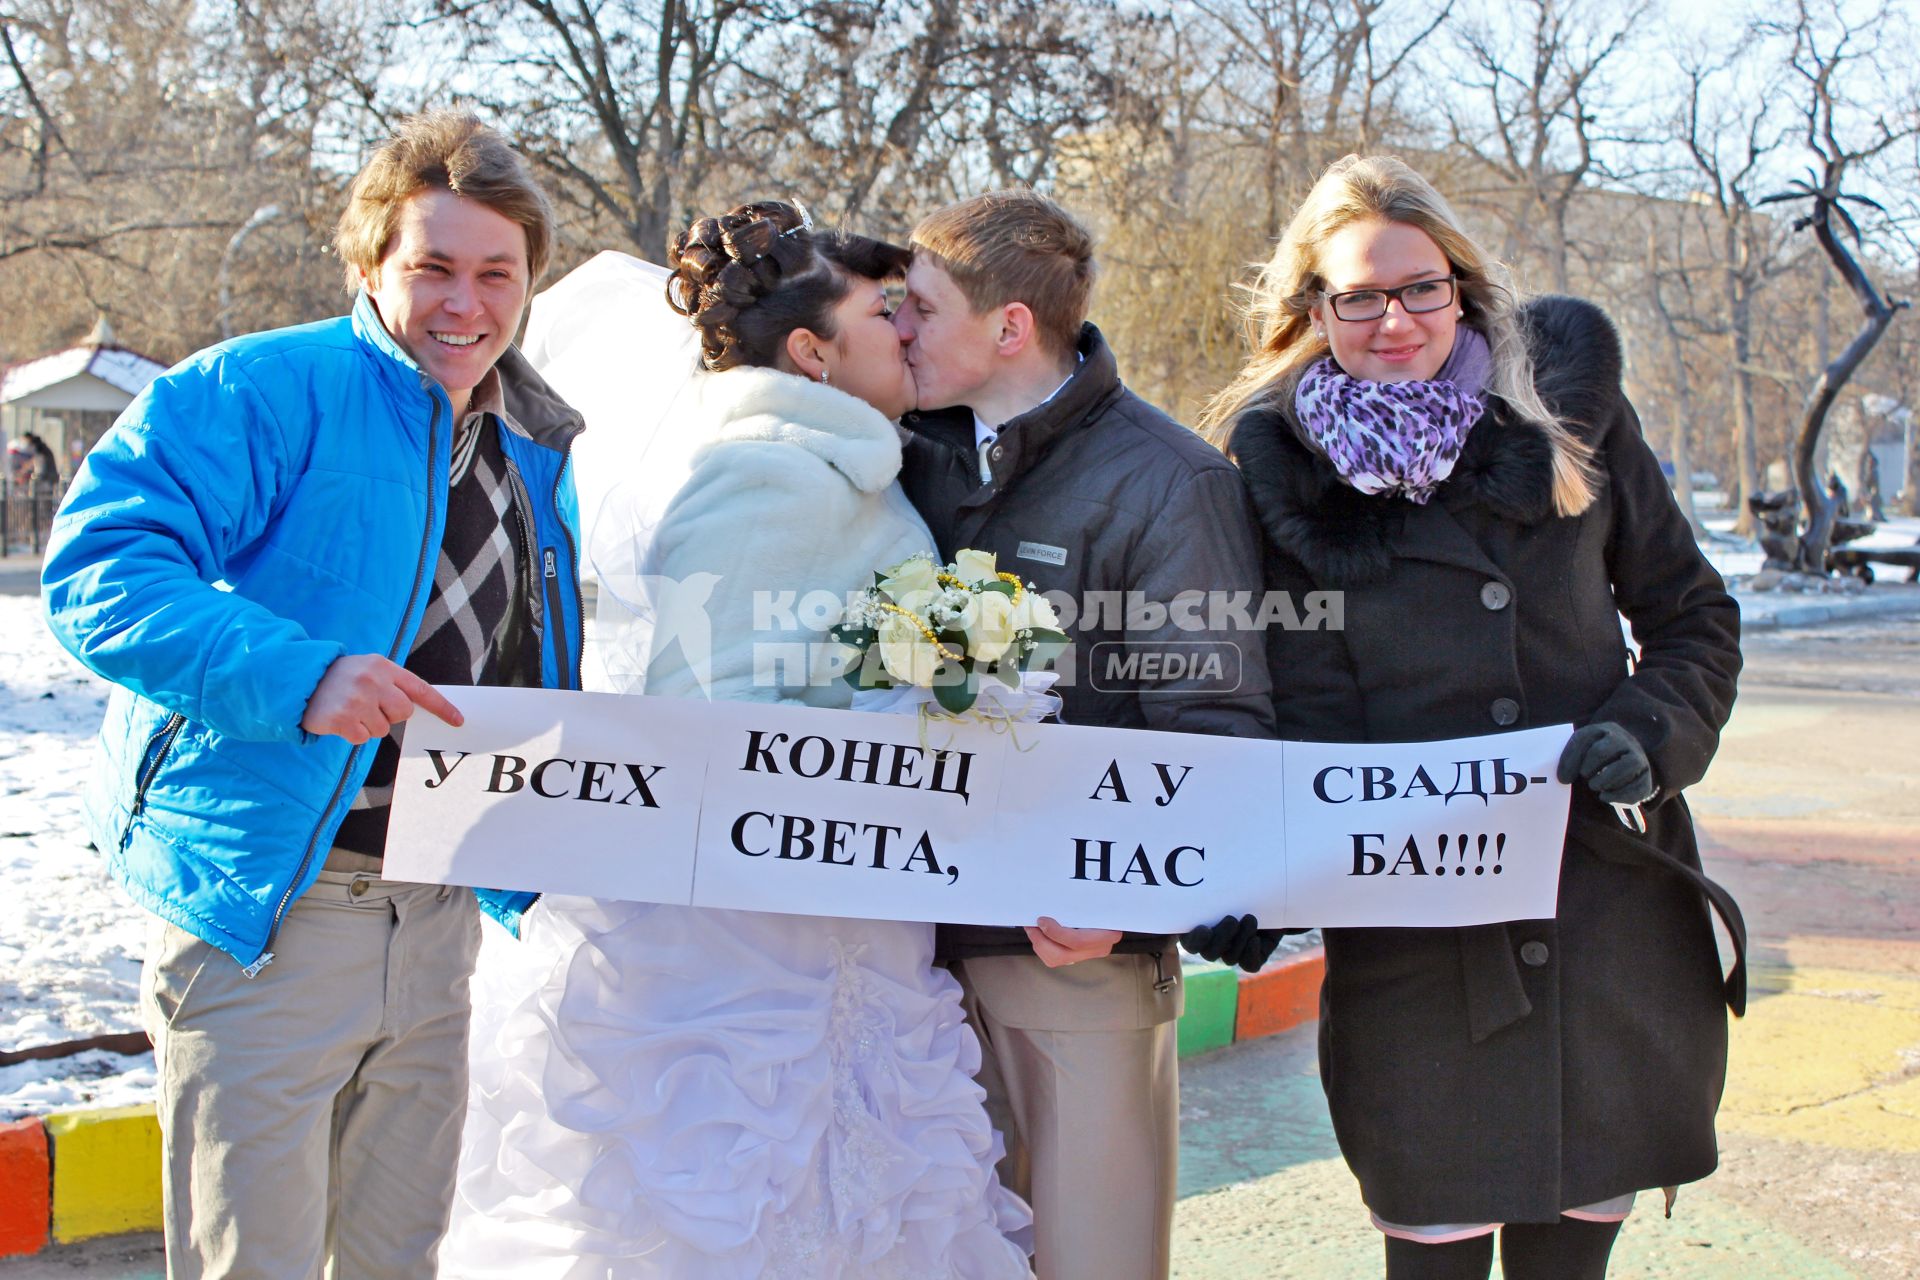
(843, 431)
(1345, 538)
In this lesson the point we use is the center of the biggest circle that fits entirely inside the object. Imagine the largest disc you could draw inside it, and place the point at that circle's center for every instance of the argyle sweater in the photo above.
(477, 628)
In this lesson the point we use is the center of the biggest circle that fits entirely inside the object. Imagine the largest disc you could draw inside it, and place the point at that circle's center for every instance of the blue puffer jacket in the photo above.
(273, 503)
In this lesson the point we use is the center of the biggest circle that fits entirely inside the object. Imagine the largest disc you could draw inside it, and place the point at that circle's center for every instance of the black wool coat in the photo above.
(1504, 1073)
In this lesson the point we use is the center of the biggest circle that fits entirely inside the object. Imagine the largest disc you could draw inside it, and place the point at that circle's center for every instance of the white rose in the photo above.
(918, 601)
(989, 626)
(906, 652)
(914, 574)
(1034, 612)
(975, 567)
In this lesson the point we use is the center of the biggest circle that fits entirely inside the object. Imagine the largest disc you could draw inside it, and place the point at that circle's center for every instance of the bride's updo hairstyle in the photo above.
(752, 276)
(1380, 188)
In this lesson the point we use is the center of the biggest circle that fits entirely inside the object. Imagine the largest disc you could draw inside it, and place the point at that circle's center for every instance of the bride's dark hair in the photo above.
(755, 274)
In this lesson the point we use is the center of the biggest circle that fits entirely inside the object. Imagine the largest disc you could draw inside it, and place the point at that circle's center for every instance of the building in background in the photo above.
(52, 410)
(71, 397)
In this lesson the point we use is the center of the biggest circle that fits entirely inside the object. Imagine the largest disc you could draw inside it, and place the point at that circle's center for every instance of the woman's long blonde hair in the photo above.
(1353, 189)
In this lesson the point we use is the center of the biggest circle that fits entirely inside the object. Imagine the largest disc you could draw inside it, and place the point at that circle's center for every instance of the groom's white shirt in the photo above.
(985, 433)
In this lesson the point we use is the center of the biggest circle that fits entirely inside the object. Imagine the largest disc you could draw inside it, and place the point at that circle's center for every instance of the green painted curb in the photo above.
(1213, 996)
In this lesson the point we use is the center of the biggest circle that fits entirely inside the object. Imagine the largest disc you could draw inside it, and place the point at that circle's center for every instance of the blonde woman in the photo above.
(1468, 472)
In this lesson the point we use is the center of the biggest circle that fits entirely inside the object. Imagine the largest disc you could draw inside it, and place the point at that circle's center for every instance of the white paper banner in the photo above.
(844, 813)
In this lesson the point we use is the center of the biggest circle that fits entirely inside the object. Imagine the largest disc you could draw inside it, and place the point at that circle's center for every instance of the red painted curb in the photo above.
(26, 1197)
(1280, 997)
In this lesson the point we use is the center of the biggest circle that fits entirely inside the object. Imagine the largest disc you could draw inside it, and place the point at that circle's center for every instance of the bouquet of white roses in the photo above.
(953, 629)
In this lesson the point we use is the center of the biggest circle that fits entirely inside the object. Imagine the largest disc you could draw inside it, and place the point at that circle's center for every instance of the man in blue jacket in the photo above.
(276, 553)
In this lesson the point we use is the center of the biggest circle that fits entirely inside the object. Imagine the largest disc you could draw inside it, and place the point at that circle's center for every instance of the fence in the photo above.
(26, 516)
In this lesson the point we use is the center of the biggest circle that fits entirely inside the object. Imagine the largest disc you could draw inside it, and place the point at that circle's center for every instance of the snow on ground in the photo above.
(70, 940)
(1742, 556)
(95, 1078)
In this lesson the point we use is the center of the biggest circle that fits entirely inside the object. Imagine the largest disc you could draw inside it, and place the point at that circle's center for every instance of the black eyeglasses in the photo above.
(1417, 298)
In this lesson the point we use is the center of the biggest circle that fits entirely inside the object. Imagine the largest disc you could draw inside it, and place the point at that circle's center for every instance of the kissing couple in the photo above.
(679, 1091)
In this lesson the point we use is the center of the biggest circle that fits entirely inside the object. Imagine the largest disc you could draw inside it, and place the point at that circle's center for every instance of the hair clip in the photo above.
(806, 219)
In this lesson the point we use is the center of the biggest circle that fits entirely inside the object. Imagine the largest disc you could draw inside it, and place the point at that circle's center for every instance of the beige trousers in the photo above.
(310, 1116)
(1083, 1081)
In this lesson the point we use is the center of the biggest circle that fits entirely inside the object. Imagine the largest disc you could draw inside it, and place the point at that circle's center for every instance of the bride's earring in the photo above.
(823, 376)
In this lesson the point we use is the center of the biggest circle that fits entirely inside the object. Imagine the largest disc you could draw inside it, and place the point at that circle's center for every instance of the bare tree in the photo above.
(618, 101)
(1301, 81)
(137, 136)
(1539, 76)
(1728, 128)
(643, 112)
(1824, 45)
(875, 109)
(1663, 279)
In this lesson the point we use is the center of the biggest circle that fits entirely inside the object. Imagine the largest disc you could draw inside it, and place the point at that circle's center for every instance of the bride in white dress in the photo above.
(664, 1091)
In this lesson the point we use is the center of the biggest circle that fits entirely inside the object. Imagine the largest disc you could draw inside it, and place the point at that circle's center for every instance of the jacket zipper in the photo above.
(574, 653)
(164, 740)
(530, 545)
(393, 655)
(562, 652)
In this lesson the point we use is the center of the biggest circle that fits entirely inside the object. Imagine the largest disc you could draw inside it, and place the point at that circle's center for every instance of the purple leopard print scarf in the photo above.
(1396, 437)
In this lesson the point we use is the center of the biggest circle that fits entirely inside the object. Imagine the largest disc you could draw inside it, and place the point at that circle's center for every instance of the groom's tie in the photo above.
(982, 450)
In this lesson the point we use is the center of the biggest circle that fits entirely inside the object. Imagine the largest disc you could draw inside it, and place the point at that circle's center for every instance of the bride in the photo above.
(667, 1091)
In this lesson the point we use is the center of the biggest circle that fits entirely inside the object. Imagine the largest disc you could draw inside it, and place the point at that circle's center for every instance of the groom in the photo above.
(1028, 445)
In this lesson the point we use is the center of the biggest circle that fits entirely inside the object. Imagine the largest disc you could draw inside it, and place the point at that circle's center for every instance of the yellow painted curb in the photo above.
(106, 1172)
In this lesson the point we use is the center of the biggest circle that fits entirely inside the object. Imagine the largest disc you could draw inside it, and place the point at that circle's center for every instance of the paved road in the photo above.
(1811, 816)
(19, 576)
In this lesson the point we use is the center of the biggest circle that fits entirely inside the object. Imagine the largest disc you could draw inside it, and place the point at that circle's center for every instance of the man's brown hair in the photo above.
(448, 151)
(1016, 246)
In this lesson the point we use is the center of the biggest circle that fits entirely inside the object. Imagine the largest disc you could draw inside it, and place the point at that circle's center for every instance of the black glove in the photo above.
(1236, 940)
(1608, 759)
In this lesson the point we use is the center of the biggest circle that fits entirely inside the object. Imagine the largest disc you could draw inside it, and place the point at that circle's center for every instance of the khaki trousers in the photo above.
(310, 1116)
(1090, 1112)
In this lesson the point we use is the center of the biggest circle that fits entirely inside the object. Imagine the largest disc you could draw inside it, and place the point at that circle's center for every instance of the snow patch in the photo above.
(71, 939)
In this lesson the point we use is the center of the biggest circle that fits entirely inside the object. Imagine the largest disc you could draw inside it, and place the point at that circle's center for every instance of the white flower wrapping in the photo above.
(956, 639)
(1031, 703)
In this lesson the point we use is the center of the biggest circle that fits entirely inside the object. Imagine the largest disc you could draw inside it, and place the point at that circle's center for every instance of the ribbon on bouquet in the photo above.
(1000, 706)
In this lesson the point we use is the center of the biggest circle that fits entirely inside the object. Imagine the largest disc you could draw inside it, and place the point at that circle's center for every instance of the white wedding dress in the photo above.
(696, 1094)
(680, 1092)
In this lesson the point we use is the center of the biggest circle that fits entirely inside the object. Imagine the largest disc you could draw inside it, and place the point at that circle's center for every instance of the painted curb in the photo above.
(1212, 1006)
(1280, 997)
(25, 1188)
(76, 1175)
(106, 1172)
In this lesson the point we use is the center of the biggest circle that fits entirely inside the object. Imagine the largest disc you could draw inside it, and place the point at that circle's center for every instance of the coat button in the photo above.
(1534, 953)
(358, 888)
(999, 452)
(1496, 595)
(1504, 711)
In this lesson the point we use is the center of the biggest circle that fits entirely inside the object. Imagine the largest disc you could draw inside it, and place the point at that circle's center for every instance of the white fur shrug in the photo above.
(795, 492)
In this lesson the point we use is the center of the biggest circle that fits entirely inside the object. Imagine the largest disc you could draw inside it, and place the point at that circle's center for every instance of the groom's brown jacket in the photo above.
(1098, 495)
